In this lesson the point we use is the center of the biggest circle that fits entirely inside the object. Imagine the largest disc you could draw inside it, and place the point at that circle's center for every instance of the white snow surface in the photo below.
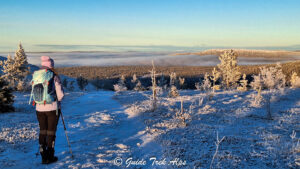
(98, 128)
(251, 140)
(104, 125)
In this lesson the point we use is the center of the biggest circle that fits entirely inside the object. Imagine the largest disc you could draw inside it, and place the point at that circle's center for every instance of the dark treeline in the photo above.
(105, 77)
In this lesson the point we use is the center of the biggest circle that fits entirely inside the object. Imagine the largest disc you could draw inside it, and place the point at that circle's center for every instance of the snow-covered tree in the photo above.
(134, 79)
(257, 82)
(6, 97)
(173, 91)
(173, 79)
(181, 82)
(154, 87)
(243, 84)
(229, 68)
(206, 85)
(272, 77)
(20, 63)
(120, 86)
(9, 71)
(138, 86)
(198, 86)
(215, 77)
(21, 86)
(16, 69)
(295, 80)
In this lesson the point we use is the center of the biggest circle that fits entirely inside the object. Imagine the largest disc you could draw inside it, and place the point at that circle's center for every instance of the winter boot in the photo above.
(44, 154)
(51, 157)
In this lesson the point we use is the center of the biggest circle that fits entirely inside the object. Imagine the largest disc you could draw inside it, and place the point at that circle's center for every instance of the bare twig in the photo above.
(217, 148)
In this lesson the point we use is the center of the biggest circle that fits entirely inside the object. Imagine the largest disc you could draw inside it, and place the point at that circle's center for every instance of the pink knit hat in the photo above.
(47, 62)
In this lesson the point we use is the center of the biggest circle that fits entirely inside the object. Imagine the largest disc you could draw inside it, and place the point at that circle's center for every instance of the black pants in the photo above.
(48, 124)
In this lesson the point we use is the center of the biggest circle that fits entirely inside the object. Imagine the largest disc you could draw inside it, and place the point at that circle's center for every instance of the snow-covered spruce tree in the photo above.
(215, 77)
(295, 80)
(21, 64)
(9, 71)
(206, 85)
(82, 82)
(120, 86)
(272, 77)
(6, 97)
(243, 84)
(229, 69)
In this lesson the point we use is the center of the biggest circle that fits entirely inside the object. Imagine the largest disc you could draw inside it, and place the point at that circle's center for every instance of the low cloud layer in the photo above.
(136, 58)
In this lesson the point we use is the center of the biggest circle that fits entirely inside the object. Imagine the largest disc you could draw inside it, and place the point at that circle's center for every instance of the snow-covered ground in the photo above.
(103, 125)
(98, 127)
(251, 138)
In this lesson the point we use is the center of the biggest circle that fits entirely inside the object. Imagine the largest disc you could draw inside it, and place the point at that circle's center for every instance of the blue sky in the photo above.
(149, 22)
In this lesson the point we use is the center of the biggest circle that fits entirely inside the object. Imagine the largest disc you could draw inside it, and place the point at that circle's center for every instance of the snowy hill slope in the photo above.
(102, 130)
(251, 139)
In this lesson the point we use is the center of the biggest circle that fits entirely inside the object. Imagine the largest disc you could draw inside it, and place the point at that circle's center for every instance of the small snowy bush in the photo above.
(183, 116)
(206, 85)
(23, 85)
(295, 80)
(173, 91)
(198, 86)
(139, 86)
(174, 80)
(181, 82)
(215, 77)
(133, 81)
(120, 86)
(243, 84)
(256, 99)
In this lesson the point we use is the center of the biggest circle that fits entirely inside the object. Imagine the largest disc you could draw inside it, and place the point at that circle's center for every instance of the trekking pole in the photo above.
(62, 118)
(63, 121)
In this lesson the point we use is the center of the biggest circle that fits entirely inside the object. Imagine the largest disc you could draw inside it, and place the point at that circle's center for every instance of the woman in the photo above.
(48, 115)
